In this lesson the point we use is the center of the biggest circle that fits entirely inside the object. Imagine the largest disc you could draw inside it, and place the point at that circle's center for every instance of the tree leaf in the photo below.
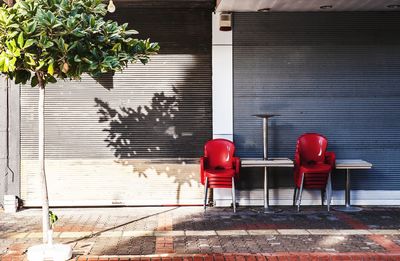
(12, 34)
(11, 65)
(5, 64)
(22, 76)
(51, 79)
(48, 44)
(31, 61)
(21, 40)
(131, 32)
(50, 69)
(29, 43)
(32, 27)
(41, 64)
(15, 26)
(64, 39)
(53, 218)
(77, 59)
(34, 81)
(2, 61)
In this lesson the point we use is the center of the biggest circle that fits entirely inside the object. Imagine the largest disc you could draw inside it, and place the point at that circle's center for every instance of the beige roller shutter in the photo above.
(133, 138)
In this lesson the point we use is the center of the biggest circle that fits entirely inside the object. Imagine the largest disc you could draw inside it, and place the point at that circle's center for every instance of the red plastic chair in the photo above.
(219, 168)
(312, 167)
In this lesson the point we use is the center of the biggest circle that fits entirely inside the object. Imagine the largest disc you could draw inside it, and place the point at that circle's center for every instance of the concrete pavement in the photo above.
(188, 232)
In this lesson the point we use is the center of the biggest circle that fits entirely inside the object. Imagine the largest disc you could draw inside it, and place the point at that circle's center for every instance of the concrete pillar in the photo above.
(222, 93)
(222, 89)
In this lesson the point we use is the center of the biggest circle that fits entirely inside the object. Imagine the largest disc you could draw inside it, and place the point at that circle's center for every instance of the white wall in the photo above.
(222, 90)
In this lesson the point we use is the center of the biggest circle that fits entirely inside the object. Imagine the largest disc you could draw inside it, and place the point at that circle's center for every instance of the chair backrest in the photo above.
(219, 153)
(311, 148)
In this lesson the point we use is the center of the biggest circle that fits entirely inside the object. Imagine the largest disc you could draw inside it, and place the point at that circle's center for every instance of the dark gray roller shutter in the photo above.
(132, 138)
(333, 73)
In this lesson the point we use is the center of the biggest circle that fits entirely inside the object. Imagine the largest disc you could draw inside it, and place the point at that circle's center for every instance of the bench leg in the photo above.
(205, 193)
(233, 195)
(300, 193)
(294, 196)
(329, 192)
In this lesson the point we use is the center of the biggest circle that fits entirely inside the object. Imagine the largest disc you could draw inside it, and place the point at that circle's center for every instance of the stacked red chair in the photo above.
(312, 167)
(219, 168)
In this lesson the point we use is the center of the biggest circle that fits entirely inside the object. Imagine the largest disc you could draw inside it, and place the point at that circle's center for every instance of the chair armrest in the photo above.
(236, 165)
(330, 158)
(203, 164)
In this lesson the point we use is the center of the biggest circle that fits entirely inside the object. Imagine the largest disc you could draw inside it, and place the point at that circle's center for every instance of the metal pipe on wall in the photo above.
(10, 140)
(4, 133)
(3, 137)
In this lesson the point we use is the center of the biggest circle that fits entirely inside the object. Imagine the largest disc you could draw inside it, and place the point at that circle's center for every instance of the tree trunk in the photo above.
(45, 198)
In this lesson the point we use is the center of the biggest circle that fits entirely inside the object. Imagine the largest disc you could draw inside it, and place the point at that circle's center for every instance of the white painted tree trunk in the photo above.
(45, 198)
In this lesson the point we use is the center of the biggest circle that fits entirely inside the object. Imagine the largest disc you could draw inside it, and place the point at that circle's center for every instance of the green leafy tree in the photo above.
(42, 41)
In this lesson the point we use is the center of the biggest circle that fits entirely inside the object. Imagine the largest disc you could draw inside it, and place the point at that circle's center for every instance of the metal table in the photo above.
(348, 165)
(265, 118)
(273, 162)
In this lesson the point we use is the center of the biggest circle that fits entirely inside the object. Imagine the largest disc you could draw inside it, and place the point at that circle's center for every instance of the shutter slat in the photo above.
(164, 112)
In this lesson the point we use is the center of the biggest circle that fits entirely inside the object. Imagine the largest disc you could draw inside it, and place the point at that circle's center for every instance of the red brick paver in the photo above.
(15, 252)
(164, 244)
(261, 257)
(189, 234)
(381, 240)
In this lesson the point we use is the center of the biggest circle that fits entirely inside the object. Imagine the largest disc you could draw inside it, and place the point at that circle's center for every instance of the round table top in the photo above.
(265, 115)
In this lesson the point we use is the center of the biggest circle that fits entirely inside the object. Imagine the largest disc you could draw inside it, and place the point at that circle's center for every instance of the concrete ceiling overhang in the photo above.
(307, 5)
(188, 4)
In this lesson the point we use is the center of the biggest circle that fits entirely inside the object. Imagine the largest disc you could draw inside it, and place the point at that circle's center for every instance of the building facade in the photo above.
(135, 138)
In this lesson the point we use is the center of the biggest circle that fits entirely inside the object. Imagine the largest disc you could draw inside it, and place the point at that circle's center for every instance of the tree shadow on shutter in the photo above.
(127, 126)
(169, 133)
(165, 135)
(164, 129)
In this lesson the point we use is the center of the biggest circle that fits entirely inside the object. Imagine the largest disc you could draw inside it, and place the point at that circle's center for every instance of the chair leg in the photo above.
(300, 193)
(294, 196)
(329, 192)
(323, 194)
(233, 195)
(205, 193)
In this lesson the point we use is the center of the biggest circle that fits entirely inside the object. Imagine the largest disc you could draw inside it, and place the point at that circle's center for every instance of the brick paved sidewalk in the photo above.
(187, 233)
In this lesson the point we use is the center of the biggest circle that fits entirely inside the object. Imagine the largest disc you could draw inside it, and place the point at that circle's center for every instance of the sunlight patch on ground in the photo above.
(330, 241)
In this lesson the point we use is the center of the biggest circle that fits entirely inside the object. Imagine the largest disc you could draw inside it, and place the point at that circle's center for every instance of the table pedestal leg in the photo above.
(348, 207)
(265, 138)
(267, 208)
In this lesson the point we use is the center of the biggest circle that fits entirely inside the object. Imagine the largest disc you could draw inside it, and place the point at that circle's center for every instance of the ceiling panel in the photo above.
(307, 5)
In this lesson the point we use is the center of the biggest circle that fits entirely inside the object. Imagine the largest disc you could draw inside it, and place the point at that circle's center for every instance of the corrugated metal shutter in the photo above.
(333, 73)
(139, 142)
